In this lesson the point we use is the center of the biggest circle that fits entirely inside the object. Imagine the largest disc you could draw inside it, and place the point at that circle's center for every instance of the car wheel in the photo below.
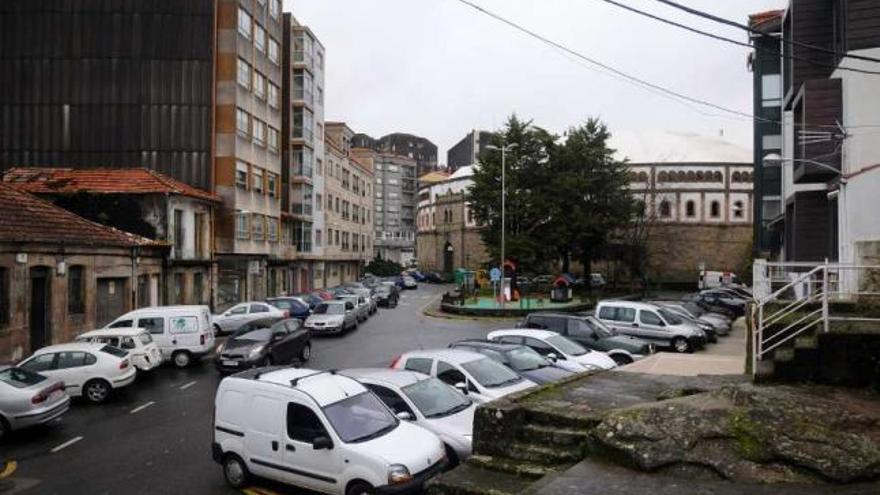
(217, 330)
(306, 353)
(96, 391)
(181, 359)
(680, 344)
(452, 456)
(235, 471)
(359, 488)
(621, 359)
(267, 361)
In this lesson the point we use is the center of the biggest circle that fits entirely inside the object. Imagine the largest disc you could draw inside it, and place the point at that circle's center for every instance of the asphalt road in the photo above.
(155, 436)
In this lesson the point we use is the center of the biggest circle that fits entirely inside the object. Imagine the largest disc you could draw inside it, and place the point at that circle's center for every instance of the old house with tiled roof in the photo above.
(62, 274)
(146, 203)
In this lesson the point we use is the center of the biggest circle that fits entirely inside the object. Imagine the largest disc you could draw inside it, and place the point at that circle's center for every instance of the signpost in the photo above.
(495, 277)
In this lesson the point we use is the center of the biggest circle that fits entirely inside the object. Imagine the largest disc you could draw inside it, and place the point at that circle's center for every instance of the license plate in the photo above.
(230, 363)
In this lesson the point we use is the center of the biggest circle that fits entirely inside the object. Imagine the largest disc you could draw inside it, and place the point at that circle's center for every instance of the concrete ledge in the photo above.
(508, 312)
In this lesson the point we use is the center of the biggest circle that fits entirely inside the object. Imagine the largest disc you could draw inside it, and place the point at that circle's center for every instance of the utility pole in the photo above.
(503, 150)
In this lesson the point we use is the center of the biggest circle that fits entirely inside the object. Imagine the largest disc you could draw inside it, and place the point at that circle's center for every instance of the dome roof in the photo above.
(676, 147)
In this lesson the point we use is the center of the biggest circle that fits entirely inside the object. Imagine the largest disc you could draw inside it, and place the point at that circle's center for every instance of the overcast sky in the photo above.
(438, 68)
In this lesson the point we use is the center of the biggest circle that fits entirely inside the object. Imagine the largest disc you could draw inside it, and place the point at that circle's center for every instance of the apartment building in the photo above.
(347, 209)
(420, 149)
(467, 151)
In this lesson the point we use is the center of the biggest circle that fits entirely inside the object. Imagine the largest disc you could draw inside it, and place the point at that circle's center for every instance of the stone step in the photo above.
(472, 480)
(783, 354)
(552, 435)
(561, 418)
(513, 466)
(541, 454)
(806, 342)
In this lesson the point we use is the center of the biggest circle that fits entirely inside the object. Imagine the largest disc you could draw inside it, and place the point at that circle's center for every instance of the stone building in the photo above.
(61, 275)
(146, 203)
(347, 209)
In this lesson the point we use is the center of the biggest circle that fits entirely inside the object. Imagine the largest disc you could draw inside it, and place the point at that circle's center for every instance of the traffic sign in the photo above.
(495, 274)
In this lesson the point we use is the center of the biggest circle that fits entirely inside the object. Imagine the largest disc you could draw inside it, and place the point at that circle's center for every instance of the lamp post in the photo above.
(503, 150)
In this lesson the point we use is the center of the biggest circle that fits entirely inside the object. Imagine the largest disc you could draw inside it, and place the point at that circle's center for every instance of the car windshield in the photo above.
(330, 309)
(601, 330)
(145, 338)
(383, 289)
(114, 351)
(20, 378)
(360, 418)
(253, 333)
(568, 347)
(490, 374)
(436, 399)
(670, 317)
(526, 359)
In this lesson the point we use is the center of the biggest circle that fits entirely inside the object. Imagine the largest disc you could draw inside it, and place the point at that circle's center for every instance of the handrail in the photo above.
(792, 284)
(798, 304)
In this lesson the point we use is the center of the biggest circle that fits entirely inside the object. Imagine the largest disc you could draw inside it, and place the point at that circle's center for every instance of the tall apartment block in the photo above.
(303, 159)
(420, 149)
(467, 151)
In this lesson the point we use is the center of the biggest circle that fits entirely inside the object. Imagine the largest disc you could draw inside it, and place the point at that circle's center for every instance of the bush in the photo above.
(384, 268)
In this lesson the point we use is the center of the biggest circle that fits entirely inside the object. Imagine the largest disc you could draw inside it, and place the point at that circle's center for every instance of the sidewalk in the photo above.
(727, 357)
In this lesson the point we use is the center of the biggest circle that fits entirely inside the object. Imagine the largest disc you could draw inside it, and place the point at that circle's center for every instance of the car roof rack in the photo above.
(295, 381)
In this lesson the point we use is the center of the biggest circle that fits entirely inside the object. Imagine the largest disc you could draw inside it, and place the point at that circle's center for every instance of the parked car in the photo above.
(264, 343)
(711, 278)
(543, 279)
(523, 360)
(183, 333)
(233, 318)
(88, 370)
(724, 301)
(419, 276)
(591, 333)
(295, 306)
(651, 323)
(361, 306)
(410, 283)
(437, 278)
(372, 302)
(473, 374)
(427, 402)
(332, 317)
(386, 296)
(597, 281)
(706, 327)
(312, 299)
(29, 399)
(145, 354)
(564, 352)
(318, 430)
(721, 322)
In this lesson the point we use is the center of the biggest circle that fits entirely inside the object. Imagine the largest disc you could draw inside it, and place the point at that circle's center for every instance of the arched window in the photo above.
(691, 176)
(700, 176)
(738, 209)
(643, 177)
(682, 176)
(715, 209)
(662, 177)
(665, 209)
(690, 209)
(735, 177)
(719, 177)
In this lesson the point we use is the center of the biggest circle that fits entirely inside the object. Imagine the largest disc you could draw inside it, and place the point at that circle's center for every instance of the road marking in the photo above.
(10, 468)
(141, 407)
(254, 490)
(188, 385)
(66, 444)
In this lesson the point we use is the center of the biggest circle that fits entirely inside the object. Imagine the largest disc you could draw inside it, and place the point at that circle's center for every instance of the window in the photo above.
(274, 138)
(244, 74)
(259, 38)
(199, 231)
(614, 313)
(259, 308)
(738, 209)
(650, 318)
(303, 424)
(771, 90)
(273, 51)
(771, 142)
(319, 202)
(259, 130)
(197, 289)
(76, 290)
(70, 360)
(420, 365)
(665, 209)
(271, 184)
(690, 209)
(259, 85)
(242, 122)
(258, 228)
(392, 399)
(178, 232)
(449, 374)
(274, 101)
(241, 225)
(275, 8)
(244, 23)
(178, 287)
(318, 238)
(257, 180)
(241, 174)
(715, 209)
(273, 229)
(302, 123)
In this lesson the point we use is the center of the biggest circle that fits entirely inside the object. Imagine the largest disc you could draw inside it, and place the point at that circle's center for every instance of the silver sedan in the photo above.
(28, 399)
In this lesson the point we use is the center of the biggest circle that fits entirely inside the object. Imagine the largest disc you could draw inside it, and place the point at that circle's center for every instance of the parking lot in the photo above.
(155, 436)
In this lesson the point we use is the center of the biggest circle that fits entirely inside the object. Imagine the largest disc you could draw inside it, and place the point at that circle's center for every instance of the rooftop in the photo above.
(676, 147)
(767, 20)
(68, 181)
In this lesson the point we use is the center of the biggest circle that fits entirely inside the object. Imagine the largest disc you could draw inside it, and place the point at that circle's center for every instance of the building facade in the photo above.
(347, 209)
(394, 209)
(766, 66)
(420, 149)
(467, 151)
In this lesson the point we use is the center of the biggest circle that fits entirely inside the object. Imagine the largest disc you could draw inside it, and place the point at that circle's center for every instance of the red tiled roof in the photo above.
(38, 180)
(27, 218)
(760, 18)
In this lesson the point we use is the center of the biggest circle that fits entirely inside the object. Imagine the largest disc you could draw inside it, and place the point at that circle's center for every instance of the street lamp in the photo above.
(774, 158)
(503, 150)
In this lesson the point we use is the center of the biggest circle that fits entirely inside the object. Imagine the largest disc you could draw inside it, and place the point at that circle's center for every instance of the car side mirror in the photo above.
(404, 416)
(277, 336)
(462, 387)
(322, 443)
(553, 357)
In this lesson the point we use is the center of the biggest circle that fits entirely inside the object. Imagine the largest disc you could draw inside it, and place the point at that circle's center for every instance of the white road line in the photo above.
(188, 385)
(66, 444)
(142, 407)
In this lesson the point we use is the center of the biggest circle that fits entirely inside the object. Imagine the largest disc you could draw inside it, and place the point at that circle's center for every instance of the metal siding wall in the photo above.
(134, 78)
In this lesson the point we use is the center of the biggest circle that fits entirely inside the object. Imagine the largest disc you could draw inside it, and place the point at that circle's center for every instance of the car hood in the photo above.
(546, 374)
(332, 319)
(408, 444)
(596, 358)
(714, 321)
(242, 346)
(460, 424)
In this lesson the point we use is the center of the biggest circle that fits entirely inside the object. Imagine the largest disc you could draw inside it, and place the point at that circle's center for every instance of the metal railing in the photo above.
(797, 297)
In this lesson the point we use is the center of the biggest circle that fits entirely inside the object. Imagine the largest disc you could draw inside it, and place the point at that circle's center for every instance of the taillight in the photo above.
(44, 394)
(394, 363)
(123, 364)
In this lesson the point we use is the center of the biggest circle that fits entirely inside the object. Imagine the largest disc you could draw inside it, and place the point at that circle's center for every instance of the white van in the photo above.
(320, 431)
(182, 333)
(144, 353)
(713, 279)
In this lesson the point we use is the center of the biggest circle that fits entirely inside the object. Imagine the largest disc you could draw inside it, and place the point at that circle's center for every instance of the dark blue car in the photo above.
(293, 305)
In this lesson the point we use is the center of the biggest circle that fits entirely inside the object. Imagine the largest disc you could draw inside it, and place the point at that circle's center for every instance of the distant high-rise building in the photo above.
(420, 149)
(467, 151)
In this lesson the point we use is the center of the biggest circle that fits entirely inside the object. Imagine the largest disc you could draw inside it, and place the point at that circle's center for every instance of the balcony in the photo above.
(818, 107)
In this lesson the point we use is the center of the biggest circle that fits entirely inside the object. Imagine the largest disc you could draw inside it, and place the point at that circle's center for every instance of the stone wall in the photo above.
(675, 251)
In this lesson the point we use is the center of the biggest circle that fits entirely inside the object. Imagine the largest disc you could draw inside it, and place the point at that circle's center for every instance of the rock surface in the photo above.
(747, 433)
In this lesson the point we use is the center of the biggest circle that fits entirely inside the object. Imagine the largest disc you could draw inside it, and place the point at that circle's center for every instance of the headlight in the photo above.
(397, 474)
(256, 351)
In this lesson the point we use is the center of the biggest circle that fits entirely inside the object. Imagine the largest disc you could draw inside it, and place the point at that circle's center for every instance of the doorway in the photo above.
(39, 321)
(448, 258)
(110, 300)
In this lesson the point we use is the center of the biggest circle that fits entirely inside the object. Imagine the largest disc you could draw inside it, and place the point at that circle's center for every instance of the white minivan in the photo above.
(320, 431)
(182, 333)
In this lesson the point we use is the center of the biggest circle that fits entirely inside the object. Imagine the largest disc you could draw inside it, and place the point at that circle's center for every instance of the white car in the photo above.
(361, 306)
(145, 354)
(473, 374)
(88, 370)
(29, 399)
(332, 317)
(235, 317)
(318, 430)
(427, 402)
(566, 353)
(182, 333)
